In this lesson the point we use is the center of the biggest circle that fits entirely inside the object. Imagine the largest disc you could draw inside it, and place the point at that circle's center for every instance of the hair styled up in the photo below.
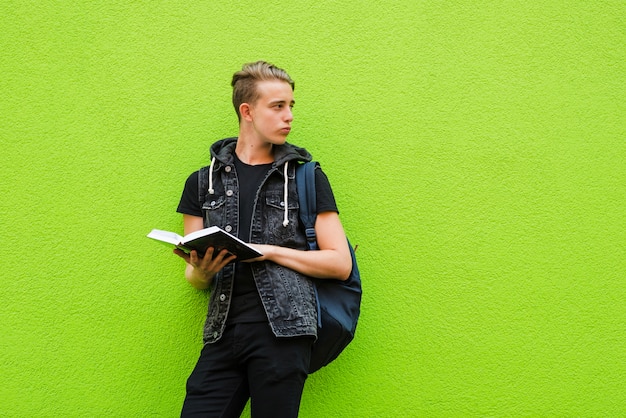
(244, 81)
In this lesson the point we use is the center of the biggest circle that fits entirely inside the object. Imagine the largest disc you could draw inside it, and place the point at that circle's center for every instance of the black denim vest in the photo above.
(288, 297)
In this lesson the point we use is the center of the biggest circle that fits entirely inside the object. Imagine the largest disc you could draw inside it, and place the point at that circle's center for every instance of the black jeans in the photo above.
(249, 361)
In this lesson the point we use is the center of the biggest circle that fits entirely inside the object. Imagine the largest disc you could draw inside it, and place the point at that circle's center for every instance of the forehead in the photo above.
(274, 90)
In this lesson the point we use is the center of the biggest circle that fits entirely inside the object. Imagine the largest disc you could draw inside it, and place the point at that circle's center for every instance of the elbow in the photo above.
(344, 269)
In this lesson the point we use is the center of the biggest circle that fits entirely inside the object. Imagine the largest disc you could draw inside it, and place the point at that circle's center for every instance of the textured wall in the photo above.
(477, 154)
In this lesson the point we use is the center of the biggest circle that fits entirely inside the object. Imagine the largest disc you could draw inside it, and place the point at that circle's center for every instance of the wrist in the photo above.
(270, 252)
(202, 275)
(199, 283)
(197, 275)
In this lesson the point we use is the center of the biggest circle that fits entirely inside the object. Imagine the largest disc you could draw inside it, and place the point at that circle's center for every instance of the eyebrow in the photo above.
(293, 102)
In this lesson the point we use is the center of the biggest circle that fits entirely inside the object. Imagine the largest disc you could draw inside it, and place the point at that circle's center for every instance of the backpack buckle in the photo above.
(311, 238)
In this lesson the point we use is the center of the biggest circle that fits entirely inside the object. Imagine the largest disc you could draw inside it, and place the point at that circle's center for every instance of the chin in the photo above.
(278, 141)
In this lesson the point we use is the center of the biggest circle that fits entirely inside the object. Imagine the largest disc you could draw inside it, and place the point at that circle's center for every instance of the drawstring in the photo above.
(286, 189)
(286, 219)
(211, 190)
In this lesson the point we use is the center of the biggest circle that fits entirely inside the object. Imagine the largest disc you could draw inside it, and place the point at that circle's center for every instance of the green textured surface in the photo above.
(478, 157)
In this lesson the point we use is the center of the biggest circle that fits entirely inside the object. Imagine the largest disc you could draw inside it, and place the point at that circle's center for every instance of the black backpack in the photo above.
(338, 302)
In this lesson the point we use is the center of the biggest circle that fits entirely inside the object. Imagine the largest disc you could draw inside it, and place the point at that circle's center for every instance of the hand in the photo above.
(200, 270)
(264, 249)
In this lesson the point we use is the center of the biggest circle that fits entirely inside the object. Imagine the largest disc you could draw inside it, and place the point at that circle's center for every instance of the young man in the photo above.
(262, 316)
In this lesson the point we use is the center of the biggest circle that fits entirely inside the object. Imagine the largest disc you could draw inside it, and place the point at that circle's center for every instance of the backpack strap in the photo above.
(305, 183)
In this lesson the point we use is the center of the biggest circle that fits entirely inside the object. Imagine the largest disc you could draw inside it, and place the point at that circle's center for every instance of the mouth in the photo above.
(286, 130)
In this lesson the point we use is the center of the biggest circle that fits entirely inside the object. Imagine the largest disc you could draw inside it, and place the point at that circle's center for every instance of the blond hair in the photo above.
(244, 81)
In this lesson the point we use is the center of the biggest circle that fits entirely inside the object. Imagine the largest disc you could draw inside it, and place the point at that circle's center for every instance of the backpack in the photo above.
(338, 302)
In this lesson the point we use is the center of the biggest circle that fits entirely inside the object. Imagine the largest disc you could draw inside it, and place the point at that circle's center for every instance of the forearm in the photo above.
(321, 264)
(331, 261)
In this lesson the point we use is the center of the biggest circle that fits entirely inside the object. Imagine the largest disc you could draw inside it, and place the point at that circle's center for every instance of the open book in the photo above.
(208, 237)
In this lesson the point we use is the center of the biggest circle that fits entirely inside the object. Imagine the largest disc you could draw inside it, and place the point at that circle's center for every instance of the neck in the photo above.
(252, 150)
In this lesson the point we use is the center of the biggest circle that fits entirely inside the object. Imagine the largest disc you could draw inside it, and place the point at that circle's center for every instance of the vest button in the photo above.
(228, 228)
(227, 169)
(222, 297)
(229, 193)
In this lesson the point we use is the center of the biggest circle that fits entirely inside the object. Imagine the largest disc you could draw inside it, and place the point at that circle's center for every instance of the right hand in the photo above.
(201, 270)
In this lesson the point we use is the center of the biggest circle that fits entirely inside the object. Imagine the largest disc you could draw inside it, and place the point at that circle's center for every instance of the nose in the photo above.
(288, 115)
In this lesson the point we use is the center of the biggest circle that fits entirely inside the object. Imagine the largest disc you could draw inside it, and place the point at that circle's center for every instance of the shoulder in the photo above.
(192, 178)
(325, 196)
(189, 201)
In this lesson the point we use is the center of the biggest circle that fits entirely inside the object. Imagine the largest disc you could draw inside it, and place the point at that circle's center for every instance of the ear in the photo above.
(245, 110)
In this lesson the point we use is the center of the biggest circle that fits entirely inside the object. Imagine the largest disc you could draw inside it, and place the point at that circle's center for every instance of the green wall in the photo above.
(477, 151)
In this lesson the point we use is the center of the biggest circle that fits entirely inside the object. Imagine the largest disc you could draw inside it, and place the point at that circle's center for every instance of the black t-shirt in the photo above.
(246, 304)
(189, 205)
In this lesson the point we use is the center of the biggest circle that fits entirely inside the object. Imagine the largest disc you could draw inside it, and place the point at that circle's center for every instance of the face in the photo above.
(271, 115)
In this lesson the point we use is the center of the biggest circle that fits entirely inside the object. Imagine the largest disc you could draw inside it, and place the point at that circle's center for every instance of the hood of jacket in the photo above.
(224, 149)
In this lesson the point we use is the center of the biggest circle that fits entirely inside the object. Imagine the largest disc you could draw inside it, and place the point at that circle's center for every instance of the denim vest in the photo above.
(288, 297)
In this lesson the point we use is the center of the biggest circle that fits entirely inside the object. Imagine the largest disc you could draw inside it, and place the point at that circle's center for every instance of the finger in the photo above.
(221, 259)
(253, 260)
(205, 260)
(222, 255)
(225, 259)
(182, 254)
(193, 257)
(200, 261)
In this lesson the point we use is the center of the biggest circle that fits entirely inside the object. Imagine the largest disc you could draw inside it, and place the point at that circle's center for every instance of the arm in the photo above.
(199, 271)
(332, 261)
